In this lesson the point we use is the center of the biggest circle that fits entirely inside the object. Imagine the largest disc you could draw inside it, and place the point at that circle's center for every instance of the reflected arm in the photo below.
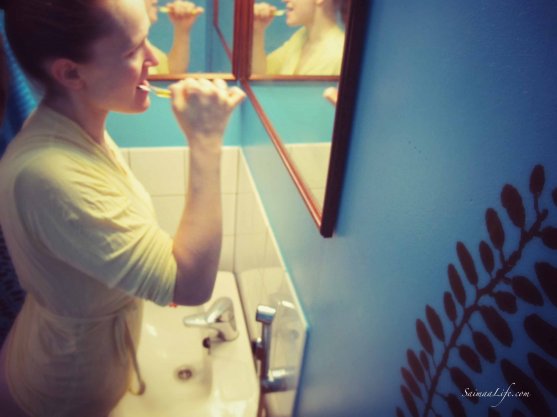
(258, 56)
(179, 54)
(182, 15)
(263, 15)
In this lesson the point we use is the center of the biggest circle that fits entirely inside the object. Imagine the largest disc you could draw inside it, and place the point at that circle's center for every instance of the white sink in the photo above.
(184, 379)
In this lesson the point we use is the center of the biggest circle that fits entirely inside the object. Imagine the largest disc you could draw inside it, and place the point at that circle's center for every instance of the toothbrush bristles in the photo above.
(159, 92)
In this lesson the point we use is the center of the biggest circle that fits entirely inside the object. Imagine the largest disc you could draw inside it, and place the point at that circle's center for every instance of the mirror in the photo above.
(188, 37)
(308, 117)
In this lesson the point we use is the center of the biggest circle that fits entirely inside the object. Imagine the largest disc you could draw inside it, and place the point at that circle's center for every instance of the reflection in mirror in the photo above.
(301, 37)
(171, 30)
(185, 36)
(309, 120)
(224, 22)
(303, 118)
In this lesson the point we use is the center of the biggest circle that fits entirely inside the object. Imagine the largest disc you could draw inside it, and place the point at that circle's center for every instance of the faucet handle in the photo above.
(219, 317)
(265, 314)
(222, 310)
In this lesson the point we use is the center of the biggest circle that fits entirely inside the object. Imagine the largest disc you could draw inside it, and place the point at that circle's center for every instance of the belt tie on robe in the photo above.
(120, 329)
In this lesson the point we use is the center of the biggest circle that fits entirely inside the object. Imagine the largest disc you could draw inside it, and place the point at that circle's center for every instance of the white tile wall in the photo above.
(249, 248)
(262, 279)
(164, 173)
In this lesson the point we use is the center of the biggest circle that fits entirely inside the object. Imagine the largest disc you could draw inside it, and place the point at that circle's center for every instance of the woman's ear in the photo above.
(66, 73)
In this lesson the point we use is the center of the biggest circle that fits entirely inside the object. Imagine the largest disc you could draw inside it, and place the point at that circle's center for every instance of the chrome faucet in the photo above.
(271, 380)
(219, 317)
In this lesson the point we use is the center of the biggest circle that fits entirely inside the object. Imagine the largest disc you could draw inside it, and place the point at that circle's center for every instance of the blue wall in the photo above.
(457, 99)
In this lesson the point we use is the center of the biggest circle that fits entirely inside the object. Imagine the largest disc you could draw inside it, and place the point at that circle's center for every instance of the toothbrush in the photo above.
(166, 9)
(279, 12)
(159, 92)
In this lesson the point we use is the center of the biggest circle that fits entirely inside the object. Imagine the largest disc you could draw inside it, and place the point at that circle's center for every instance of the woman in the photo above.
(314, 49)
(182, 16)
(80, 229)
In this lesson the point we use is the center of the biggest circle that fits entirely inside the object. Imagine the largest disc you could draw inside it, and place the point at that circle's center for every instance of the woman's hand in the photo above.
(183, 14)
(203, 107)
(331, 95)
(263, 15)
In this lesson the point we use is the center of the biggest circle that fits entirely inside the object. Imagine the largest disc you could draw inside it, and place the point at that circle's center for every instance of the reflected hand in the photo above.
(202, 108)
(263, 15)
(331, 95)
(183, 14)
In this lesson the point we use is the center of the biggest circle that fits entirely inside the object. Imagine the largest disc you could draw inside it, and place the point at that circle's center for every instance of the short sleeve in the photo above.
(78, 217)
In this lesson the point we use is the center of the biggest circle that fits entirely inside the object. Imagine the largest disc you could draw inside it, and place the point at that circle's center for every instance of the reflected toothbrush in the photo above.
(166, 9)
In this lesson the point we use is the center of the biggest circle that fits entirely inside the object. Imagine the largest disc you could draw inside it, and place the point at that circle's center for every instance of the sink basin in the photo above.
(185, 379)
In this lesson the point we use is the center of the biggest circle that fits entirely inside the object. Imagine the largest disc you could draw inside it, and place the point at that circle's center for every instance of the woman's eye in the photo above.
(134, 51)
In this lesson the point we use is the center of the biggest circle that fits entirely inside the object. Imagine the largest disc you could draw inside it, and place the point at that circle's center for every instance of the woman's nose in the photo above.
(150, 57)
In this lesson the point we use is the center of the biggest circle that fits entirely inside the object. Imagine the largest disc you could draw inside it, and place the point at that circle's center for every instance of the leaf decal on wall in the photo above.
(512, 201)
(544, 372)
(399, 412)
(484, 346)
(494, 228)
(423, 335)
(547, 276)
(463, 382)
(526, 290)
(415, 366)
(424, 360)
(456, 285)
(492, 412)
(537, 180)
(542, 333)
(409, 400)
(492, 293)
(411, 382)
(505, 301)
(497, 325)
(435, 323)
(455, 406)
(450, 307)
(521, 382)
(467, 263)
(470, 357)
(549, 237)
(486, 254)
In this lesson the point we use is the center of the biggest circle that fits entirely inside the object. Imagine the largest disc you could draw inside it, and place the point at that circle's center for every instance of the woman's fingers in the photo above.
(202, 106)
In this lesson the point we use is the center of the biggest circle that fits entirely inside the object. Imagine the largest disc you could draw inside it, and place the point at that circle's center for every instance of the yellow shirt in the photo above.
(285, 60)
(85, 244)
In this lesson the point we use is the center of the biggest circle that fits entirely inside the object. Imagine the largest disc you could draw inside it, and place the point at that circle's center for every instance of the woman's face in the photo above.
(120, 61)
(299, 12)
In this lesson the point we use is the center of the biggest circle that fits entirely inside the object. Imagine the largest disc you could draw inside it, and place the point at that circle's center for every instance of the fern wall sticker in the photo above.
(503, 293)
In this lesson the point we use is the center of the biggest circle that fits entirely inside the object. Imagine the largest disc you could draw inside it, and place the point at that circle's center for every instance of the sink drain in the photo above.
(184, 373)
